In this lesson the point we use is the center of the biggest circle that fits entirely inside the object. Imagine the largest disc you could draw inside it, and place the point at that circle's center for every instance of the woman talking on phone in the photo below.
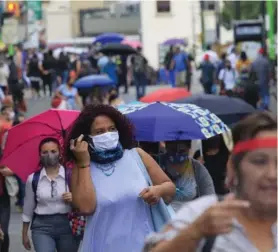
(108, 182)
(243, 221)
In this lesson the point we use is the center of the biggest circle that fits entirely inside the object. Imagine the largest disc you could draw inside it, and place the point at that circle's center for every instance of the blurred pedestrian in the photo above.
(111, 70)
(243, 66)
(167, 63)
(63, 68)
(180, 66)
(227, 78)
(261, 72)
(191, 178)
(4, 75)
(68, 93)
(34, 74)
(216, 157)
(139, 68)
(207, 75)
(48, 69)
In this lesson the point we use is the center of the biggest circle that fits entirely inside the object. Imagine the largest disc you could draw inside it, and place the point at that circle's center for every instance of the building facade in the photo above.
(162, 20)
(70, 19)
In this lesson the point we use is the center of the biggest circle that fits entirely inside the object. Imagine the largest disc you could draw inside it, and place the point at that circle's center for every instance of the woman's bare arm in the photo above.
(158, 177)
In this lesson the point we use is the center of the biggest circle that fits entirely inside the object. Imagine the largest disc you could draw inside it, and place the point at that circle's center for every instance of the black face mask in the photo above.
(113, 97)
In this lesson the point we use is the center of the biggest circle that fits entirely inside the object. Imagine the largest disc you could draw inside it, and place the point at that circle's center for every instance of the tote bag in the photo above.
(161, 213)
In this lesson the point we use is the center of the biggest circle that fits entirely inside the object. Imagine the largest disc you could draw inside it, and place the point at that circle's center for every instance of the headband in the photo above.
(256, 143)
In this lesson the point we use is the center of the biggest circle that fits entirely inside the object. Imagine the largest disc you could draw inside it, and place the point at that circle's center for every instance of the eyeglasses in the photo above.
(53, 189)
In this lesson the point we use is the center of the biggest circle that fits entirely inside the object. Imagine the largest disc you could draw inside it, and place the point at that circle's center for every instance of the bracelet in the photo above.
(83, 166)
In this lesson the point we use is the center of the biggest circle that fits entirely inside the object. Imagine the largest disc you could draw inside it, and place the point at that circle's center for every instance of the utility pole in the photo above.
(217, 16)
(237, 10)
(193, 28)
(202, 7)
(263, 12)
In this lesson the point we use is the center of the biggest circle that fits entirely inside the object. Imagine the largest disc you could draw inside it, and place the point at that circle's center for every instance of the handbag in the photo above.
(77, 221)
(11, 186)
(161, 213)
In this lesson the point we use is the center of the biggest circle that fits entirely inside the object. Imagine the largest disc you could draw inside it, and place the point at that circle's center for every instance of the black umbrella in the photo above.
(117, 49)
(229, 109)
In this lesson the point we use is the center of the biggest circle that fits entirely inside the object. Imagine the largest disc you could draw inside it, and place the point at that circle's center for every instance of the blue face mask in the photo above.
(177, 158)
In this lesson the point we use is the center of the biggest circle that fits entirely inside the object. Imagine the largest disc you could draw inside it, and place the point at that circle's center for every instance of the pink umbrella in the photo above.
(133, 43)
(21, 153)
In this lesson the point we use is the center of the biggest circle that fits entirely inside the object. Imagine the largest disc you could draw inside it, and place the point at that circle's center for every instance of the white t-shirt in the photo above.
(228, 77)
(233, 59)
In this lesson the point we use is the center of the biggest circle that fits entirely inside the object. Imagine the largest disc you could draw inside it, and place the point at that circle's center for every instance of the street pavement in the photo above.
(37, 106)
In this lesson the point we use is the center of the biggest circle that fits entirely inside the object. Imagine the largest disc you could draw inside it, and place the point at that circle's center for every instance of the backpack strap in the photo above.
(68, 173)
(35, 182)
(211, 240)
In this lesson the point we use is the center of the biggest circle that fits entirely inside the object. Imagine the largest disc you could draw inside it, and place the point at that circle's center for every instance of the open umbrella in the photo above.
(117, 49)
(108, 37)
(94, 80)
(22, 146)
(166, 95)
(229, 109)
(133, 43)
(175, 41)
(157, 122)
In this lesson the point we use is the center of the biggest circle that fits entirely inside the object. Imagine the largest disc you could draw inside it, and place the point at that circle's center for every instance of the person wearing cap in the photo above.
(208, 74)
(243, 221)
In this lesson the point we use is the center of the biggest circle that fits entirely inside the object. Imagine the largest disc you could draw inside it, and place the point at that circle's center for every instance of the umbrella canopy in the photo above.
(93, 80)
(166, 95)
(133, 43)
(117, 49)
(229, 109)
(21, 150)
(157, 122)
(108, 37)
(175, 41)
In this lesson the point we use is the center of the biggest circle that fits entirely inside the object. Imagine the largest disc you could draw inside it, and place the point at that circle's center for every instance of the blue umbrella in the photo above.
(109, 37)
(175, 41)
(94, 80)
(156, 122)
(229, 109)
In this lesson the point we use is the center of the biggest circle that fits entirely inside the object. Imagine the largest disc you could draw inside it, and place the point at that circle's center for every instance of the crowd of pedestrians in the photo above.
(99, 190)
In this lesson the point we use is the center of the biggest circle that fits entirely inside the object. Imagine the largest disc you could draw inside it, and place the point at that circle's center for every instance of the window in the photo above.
(163, 6)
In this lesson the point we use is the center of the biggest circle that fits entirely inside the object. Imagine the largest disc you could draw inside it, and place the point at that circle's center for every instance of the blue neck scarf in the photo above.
(106, 156)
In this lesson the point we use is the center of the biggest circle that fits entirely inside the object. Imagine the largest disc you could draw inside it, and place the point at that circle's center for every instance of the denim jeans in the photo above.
(52, 232)
(140, 81)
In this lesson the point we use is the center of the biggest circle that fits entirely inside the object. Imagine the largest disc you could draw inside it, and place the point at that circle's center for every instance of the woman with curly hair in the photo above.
(108, 183)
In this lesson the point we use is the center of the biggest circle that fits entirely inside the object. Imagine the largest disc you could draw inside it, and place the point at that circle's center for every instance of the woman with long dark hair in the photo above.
(109, 181)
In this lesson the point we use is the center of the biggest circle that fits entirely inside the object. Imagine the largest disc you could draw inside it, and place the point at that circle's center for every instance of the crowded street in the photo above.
(124, 130)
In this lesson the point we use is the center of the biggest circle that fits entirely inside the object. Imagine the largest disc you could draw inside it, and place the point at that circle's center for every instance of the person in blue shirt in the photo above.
(208, 74)
(180, 65)
(111, 70)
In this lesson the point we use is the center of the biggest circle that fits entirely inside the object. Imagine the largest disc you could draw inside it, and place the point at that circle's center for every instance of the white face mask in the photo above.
(106, 141)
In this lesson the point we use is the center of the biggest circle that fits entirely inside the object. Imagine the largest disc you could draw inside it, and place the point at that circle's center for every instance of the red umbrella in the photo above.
(21, 153)
(166, 95)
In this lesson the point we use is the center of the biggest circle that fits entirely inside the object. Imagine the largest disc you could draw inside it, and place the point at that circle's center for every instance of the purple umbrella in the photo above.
(175, 41)
(109, 37)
